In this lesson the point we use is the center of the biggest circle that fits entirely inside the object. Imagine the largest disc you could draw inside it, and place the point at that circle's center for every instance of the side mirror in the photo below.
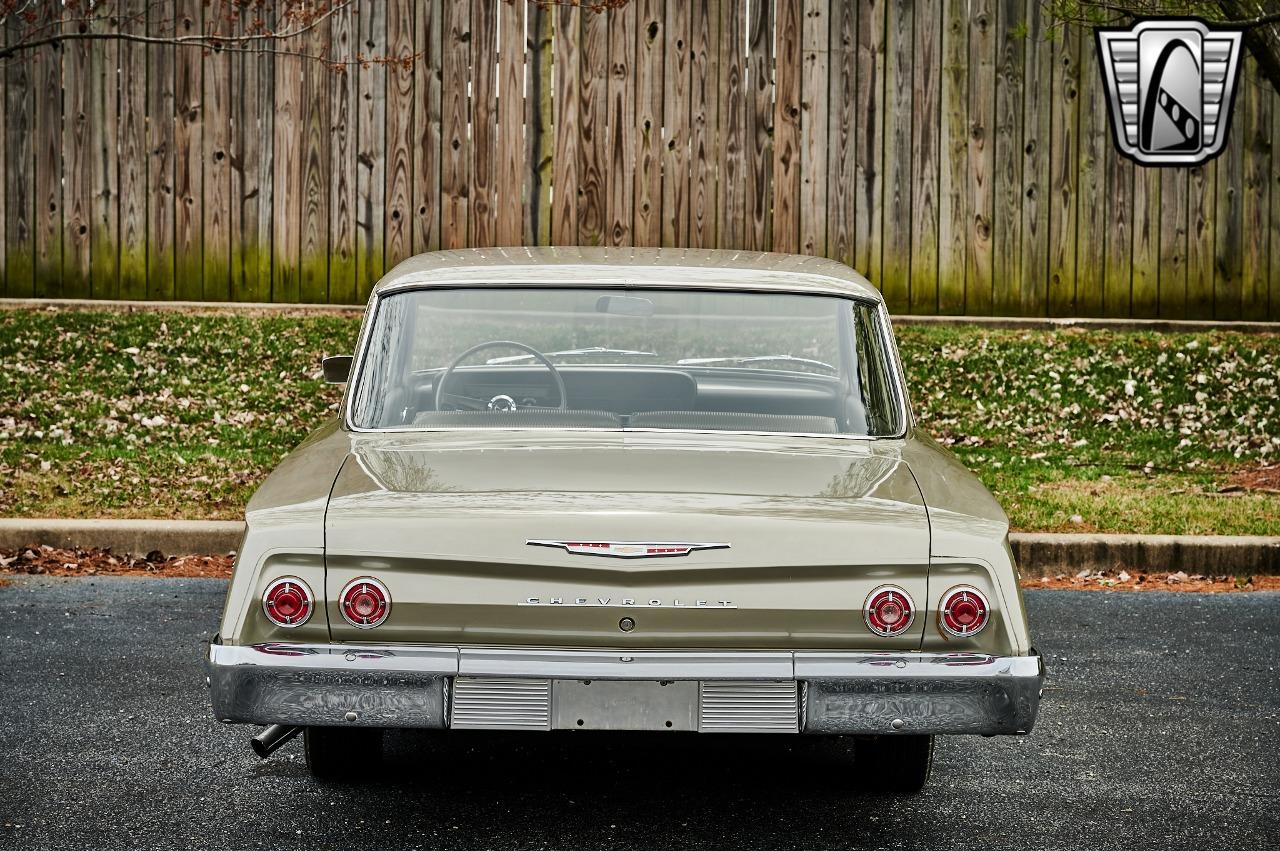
(337, 369)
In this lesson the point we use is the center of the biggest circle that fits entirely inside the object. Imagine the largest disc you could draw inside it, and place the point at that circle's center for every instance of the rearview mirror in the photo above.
(624, 305)
(337, 369)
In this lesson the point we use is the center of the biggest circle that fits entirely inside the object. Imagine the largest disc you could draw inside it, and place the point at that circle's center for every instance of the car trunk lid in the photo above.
(798, 532)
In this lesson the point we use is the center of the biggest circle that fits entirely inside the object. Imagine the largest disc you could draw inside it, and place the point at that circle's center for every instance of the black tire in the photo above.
(340, 754)
(894, 765)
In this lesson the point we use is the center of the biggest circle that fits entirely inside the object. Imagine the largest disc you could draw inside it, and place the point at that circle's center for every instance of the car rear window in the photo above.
(659, 359)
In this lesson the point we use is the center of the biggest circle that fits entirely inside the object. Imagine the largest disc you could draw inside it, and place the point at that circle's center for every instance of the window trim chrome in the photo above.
(905, 415)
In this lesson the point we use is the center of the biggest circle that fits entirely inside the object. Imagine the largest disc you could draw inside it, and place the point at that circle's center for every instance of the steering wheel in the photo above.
(474, 404)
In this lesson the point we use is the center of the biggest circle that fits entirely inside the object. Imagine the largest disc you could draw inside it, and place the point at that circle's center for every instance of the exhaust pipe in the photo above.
(269, 740)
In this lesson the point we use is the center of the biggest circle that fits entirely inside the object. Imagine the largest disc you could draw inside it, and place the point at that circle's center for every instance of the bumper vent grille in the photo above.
(748, 707)
(481, 703)
(501, 704)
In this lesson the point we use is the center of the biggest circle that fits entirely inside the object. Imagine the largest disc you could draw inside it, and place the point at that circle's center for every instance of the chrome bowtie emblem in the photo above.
(627, 549)
(1171, 84)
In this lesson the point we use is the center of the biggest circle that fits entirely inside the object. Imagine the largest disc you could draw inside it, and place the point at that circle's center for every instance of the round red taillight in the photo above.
(964, 611)
(287, 602)
(889, 611)
(365, 602)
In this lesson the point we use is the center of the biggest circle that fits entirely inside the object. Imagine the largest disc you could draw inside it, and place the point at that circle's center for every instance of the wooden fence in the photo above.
(955, 151)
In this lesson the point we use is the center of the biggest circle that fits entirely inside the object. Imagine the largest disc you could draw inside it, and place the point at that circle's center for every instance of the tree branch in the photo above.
(209, 40)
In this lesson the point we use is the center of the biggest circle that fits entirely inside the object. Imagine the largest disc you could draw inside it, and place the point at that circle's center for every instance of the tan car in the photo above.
(578, 489)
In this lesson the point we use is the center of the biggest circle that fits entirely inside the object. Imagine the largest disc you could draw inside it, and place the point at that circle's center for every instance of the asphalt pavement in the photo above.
(1160, 728)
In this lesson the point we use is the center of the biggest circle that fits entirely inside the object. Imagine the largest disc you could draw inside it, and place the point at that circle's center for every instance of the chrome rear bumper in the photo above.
(748, 691)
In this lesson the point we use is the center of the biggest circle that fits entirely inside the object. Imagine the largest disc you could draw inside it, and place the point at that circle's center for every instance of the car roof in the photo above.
(629, 267)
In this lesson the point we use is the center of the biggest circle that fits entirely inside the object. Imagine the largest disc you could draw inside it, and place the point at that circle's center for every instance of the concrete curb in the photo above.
(1039, 554)
(139, 537)
(1030, 323)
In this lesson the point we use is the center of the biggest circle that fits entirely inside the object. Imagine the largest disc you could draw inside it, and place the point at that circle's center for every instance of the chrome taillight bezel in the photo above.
(871, 611)
(283, 584)
(948, 602)
(355, 619)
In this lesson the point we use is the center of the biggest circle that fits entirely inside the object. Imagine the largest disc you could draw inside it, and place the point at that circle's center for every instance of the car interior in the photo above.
(768, 389)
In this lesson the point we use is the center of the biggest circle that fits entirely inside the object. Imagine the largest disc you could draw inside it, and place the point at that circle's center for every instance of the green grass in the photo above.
(182, 415)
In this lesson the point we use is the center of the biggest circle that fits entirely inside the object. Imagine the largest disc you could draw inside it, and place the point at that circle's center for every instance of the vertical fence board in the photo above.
(593, 131)
(133, 158)
(342, 158)
(1064, 164)
(1273, 240)
(869, 109)
(1037, 80)
(650, 52)
(426, 133)
(371, 129)
(1258, 163)
(1201, 183)
(1173, 243)
(842, 131)
(5, 166)
(1144, 298)
(953, 148)
(703, 123)
(401, 124)
(621, 146)
(18, 189)
(160, 121)
(313, 284)
(925, 101)
(675, 125)
(484, 35)
(786, 126)
(286, 146)
(47, 68)
(759, 136)
(1095, 143)
(1228, 215)
(77, 158)
(981, 155)
(730, 148)
(315, 225)
(1007, 221)
(815, 111)
(566, 45)
(539, 138)
(104, 101)
(1118, 285)
(509, 226)
(215, 275)
(188, 146)
(455, 151)
(895, 275)
(252, 177)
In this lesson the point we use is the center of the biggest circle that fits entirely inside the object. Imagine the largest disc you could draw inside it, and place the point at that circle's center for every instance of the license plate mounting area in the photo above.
(624, 705)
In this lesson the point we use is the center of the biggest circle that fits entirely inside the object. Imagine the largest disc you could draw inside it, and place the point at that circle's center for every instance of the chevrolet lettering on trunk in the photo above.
(627, 602)
(575, 489)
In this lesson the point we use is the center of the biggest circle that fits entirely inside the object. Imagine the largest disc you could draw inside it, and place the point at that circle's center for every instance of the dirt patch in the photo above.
(48, 561)
(1261, 479)
(1180, 581)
